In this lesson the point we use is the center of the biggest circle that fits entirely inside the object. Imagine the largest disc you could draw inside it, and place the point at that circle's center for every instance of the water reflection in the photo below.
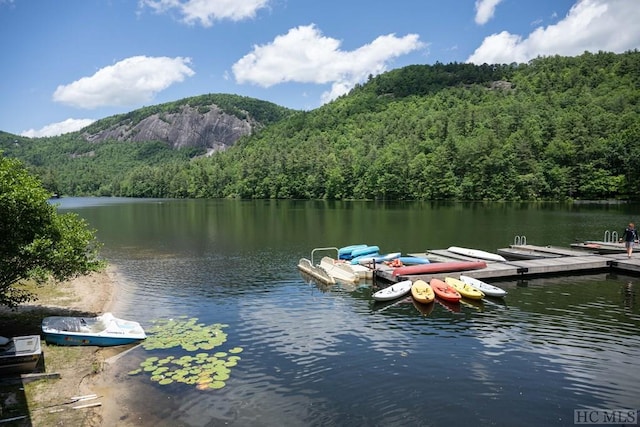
(330, 355)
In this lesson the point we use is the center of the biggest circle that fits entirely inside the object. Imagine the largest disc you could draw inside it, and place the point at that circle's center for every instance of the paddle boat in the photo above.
(489, 290)
(422, 292)
(464, 289)
(339, 270)
(19, 354)
(444, 291)
(394, 291)
(105, 330)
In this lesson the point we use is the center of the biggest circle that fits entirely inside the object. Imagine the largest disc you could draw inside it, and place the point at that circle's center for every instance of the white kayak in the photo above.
(394, 291)
(476, 253)
(364, 260)
(490, 290)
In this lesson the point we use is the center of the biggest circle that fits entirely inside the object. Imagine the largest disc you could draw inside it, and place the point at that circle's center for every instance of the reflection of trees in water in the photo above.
(629, 295)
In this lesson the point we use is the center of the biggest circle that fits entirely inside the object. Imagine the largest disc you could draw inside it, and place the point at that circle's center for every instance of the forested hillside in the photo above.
(552, 129)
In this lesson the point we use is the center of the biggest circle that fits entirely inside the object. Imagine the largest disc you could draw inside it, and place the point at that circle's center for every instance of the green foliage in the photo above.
(37, 242)
(552, 129)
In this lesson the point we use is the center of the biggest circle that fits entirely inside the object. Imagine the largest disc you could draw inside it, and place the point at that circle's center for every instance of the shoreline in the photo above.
(83, 370)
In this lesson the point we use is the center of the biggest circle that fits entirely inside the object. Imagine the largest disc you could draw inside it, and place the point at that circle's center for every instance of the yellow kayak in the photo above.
(464, 289)
(422, 292)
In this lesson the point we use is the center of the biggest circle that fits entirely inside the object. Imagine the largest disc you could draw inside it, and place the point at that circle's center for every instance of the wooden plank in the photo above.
(552, 250)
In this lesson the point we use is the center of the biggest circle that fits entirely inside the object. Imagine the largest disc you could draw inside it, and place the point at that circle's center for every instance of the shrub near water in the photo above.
(200, 368)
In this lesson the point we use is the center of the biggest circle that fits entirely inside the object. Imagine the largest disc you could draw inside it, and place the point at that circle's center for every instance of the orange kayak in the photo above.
(422, 292)
(444, 291)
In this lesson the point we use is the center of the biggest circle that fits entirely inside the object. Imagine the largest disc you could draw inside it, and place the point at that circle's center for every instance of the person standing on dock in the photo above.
(630, 236)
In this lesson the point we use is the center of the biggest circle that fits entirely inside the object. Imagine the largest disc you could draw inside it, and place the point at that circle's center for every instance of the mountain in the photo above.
(211, 122)
(555, 128)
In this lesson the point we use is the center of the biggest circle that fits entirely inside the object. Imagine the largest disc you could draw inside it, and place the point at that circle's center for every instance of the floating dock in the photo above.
(562, 261)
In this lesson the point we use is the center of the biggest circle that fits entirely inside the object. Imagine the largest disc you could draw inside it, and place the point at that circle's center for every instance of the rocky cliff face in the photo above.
(213, 130)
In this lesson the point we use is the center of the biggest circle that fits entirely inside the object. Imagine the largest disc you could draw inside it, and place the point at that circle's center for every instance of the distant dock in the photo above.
(561, 261)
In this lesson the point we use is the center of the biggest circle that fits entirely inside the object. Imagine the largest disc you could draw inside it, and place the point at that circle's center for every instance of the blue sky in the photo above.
(67, 63)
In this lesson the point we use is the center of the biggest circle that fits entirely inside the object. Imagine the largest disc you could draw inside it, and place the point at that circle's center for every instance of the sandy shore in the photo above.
(83, 370)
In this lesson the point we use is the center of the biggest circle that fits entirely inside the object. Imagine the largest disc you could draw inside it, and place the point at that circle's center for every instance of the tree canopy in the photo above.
(552, 129)
(37, 242)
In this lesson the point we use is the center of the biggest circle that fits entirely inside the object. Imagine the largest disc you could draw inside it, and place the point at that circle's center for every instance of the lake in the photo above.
(254, 343)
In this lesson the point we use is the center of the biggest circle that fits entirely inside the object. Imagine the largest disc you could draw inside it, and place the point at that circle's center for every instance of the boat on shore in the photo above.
(19, 354)
(103, 331)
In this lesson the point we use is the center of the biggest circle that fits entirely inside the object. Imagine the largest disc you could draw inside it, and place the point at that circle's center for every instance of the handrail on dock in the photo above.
(520, 241)
(610, 237)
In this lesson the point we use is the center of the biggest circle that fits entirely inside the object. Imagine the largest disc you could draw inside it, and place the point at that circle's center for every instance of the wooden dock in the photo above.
(571, 261)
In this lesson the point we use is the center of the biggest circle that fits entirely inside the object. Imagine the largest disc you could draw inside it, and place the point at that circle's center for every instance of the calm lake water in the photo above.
(315, 355)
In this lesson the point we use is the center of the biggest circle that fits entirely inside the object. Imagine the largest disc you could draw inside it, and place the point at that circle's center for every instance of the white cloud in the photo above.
(304, 55)
(131, 81)
(54, 129)
(590, 25)
(208, 11)
(485, 10)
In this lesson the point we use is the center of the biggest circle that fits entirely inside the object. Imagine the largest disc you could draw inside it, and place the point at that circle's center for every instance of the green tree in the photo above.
(37, 243)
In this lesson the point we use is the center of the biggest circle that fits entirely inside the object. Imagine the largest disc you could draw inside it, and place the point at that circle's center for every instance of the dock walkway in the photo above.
(570, 261)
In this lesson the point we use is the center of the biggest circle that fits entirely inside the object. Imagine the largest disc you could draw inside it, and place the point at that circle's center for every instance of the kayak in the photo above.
(394, 291)
(489, 290)
(422, 292)
(444, 291)
(345, 252)
(464, 289)
(476, 253)
(367, 250)
(439, 267)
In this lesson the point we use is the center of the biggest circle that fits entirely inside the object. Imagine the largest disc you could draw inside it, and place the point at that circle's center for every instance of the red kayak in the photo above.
(439, 267)
(444, 291)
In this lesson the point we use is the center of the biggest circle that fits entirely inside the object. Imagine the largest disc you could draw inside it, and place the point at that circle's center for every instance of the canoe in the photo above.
(476, 253)
(339, 270)
(464, 289)
(489, 290)
(345, 251)
(394, 291)
(444, 291)
(422, 292)
(104, 330)
(439, 267)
